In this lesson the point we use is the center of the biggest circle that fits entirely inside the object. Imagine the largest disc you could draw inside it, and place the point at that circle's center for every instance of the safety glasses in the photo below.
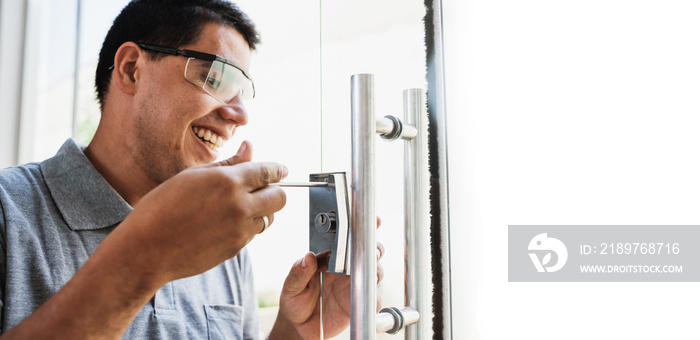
(216, 75)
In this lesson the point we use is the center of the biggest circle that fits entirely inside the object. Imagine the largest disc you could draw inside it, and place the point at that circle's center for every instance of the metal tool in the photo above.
(299, 184)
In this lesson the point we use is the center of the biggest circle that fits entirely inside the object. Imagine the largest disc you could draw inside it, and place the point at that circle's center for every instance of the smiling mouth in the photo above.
(209, 138)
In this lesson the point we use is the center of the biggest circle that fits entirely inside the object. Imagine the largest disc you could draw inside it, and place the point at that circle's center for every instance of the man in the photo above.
(137, 235)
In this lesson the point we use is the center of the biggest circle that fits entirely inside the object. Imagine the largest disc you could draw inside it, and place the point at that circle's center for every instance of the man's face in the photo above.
(178, 124)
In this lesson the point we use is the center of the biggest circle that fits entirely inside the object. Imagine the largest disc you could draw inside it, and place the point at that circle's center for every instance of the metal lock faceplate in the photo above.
(329, 217)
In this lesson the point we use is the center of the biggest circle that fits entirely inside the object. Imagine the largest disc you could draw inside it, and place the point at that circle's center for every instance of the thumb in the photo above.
(299, 276)
(244, 154)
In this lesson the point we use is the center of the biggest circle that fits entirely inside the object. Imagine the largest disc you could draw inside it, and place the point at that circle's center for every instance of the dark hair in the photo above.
(172, 23)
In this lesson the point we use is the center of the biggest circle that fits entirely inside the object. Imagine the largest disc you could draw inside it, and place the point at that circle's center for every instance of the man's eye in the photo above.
(211, 82)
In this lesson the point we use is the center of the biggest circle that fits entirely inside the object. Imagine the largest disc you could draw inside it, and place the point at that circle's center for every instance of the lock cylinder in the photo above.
(326, 222)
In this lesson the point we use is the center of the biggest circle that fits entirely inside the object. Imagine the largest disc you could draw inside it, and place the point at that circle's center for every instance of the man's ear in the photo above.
(126, 71)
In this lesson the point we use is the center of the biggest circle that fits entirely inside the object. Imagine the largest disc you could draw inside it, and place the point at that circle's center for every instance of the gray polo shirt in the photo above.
(54, 214)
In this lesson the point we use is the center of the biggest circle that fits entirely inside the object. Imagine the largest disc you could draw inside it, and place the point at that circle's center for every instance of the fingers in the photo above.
(299, 276)
(262, 174)
(380, 268)
(380, 251)
(252, 179)
(254, 175)
(322, 260)
(250, 193)
(267, 201)
(258, 175)
(244, 154)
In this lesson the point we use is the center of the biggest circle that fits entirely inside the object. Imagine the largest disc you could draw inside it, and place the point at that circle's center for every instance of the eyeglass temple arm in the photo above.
(193, 54)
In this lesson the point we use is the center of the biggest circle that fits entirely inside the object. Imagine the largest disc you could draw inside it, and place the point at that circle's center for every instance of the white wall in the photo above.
(11, 48)
(569, 112)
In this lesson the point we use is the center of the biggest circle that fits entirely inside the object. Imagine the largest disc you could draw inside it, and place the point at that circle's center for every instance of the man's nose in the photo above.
(234, 111)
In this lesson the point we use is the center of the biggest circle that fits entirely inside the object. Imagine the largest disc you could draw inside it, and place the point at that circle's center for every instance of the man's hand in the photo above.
(299, 313)
(187, 225)
(200, 217)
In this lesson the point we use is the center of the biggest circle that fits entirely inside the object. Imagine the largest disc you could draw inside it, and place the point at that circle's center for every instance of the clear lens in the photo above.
(220, 80)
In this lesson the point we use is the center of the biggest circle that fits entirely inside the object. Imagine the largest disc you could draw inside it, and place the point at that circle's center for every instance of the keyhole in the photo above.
(325, 222)
(322, 219)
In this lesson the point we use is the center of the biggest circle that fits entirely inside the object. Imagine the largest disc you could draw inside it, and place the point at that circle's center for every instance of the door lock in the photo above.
(329, 219)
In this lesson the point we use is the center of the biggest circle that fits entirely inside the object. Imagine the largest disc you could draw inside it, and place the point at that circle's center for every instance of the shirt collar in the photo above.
(83, 196)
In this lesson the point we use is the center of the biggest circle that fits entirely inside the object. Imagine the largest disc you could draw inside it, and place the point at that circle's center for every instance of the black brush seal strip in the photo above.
(439, 236)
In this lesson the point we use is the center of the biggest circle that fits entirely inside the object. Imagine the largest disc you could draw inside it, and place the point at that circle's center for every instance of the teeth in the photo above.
(210, 138)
